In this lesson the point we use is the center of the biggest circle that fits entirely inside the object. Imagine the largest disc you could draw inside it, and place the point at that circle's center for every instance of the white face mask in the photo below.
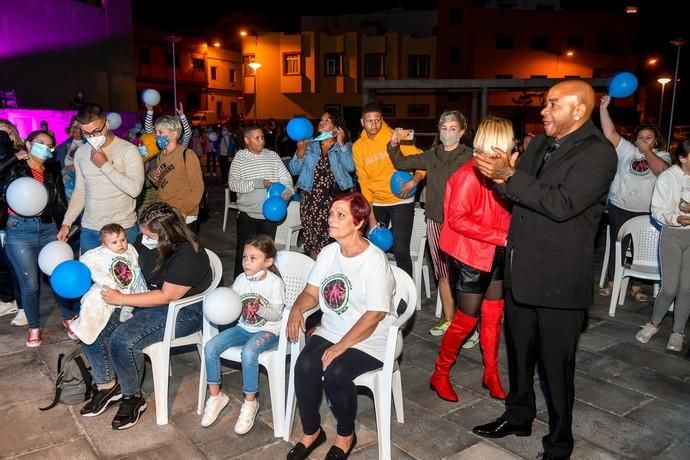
(257, 276)
(149, 243)
(96, 141)
(449, 137)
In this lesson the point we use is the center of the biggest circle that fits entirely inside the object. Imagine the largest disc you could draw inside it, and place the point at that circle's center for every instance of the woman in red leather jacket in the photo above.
(475, 228)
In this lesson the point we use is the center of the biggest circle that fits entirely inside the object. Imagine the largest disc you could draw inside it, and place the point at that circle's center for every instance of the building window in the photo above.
(455, 55)
(505, 42)
(333, 64)
(374, 65)
(606, 46)
(233, 76)
(144, 56)
(292, 64)
(169, 60)
(418, 66)
(246, 60)
(193, 101)
(418, 110)
(198, 64)
(214, 72)
(540, 43)
(575, 43)
(504, 76)
(455, 16)
(388, 110)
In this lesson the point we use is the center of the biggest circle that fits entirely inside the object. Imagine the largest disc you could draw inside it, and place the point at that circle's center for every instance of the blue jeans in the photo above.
(253, 344)
(118, 350)
(25, 238)
(90, 239)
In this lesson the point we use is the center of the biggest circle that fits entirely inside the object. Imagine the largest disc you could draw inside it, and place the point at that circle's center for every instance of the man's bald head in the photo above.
(569, 105)
(583, 92)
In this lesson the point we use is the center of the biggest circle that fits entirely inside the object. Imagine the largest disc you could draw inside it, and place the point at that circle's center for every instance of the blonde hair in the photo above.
(494, 132)
(11, 129)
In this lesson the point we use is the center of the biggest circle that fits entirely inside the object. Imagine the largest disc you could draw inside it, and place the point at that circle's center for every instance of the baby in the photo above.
(114, 264)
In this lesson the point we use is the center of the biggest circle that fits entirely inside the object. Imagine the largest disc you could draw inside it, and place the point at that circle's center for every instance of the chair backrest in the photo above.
(405, 301)
(294, 268)
(292, 220)
(645, 240)
(418, 239)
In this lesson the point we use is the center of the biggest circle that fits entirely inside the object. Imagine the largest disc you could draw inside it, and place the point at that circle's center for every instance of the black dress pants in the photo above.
(549, 335)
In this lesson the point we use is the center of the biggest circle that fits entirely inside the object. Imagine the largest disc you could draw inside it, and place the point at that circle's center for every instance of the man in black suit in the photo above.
(559, 190)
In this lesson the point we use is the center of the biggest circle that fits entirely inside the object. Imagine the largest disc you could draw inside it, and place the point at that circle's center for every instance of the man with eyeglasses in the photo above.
(374, 170)
(109, 175)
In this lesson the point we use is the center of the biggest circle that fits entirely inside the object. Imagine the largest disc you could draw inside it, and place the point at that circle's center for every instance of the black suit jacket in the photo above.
(555, 219)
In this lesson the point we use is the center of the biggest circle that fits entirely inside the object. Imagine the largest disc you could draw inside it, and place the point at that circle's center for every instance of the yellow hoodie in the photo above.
(374, 167)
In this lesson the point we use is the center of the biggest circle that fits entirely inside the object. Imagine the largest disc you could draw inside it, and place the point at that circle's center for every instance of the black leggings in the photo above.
(337, 380)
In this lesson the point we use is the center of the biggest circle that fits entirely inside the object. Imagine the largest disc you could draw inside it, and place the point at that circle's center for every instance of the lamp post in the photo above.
(677, 43)
(255, 66)
(174, 39)
(663, 82)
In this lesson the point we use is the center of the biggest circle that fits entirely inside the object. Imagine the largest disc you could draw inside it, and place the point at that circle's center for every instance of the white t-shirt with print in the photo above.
(349, 287)
(633, 184)
(268, 292)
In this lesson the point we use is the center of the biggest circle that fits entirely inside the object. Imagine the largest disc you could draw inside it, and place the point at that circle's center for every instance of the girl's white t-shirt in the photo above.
(349, 287)
(269, 293)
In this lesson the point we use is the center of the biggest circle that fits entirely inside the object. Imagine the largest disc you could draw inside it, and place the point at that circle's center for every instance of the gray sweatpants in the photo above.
(674, 255)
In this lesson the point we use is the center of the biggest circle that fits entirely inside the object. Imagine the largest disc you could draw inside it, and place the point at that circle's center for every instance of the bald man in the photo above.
(559, 189)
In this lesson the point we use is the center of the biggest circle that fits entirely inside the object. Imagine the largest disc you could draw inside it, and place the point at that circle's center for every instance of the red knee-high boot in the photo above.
(461, 326)
(489, 337)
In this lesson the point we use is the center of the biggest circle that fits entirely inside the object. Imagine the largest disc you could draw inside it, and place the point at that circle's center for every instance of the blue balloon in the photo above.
(274, 209)
(299, 129)
(398, 180)
(71, 279)
(276, 189)
(382, 238)
(623, 84)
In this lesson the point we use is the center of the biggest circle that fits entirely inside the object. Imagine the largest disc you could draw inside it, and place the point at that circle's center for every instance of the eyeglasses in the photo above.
(95, 132)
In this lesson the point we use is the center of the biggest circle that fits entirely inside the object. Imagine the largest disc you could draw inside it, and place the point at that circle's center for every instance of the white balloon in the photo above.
(27, 196)
(115, 120)
(151, 96)
(212, 136)
(222, 306)
(53, 254)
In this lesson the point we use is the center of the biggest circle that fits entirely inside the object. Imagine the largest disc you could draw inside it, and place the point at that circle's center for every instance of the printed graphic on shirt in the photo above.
(639, 167)
(336, 292)
(122, 272)
(251, 303)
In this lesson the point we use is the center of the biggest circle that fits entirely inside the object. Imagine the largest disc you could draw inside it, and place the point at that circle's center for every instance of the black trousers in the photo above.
(9, 289)
(401, 217)
(224, 161)
(246, 228)
(549, 335)
(337, 380)
(617, 217)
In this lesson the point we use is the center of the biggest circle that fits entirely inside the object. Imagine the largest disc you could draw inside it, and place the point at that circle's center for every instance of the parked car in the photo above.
(204, 118)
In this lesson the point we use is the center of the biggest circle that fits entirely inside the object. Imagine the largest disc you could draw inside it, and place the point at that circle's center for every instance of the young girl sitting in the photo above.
(115, 264)
(263, 297)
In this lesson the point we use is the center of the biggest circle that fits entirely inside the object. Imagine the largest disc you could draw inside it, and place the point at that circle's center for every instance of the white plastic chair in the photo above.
(420, 269)
(294, 269)
(159, 353)
(288, 232)
(382, 382)
(607, 254)
(645, 257)
(228, 205)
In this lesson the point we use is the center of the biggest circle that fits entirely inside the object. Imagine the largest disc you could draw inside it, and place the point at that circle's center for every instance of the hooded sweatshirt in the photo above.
(374, 167)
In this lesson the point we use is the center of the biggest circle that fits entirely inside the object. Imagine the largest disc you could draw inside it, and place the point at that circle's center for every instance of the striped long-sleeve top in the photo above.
(186, 129)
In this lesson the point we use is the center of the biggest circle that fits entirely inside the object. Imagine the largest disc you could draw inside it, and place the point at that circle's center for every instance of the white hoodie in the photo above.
(671, 186)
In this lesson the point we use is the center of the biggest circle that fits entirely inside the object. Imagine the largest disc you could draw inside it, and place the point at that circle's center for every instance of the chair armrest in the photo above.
(174, 309)
(209, 331)
(391, 344)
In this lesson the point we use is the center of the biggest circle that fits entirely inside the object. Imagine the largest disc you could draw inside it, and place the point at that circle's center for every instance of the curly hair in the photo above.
(659, 143)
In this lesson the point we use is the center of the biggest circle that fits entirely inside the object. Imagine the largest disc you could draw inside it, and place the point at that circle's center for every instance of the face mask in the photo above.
(324, 135)
(142, 151)
(80, 141)
(41, 151)
(449, 138)
(138, 126)
(149, 243)
(162, 142)
(96, 141)
(257, 276)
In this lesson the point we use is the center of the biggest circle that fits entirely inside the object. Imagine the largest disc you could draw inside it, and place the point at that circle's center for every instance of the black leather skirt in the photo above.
(474, 281)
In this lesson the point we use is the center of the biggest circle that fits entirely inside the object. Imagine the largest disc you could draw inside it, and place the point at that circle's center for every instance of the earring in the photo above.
(577, 118)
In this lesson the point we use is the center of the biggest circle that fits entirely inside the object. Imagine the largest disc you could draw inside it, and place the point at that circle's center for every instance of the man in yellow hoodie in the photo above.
(374, 171)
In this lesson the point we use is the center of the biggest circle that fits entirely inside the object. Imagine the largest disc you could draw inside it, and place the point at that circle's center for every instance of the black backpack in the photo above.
(73, 384)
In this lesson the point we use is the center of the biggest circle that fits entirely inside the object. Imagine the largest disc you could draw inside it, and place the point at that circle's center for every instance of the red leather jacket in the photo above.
(476, 218)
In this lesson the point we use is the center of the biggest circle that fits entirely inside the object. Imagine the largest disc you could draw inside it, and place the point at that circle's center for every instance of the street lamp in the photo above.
(174, 39)
(663, 82)
(255, 66)
(677, 43)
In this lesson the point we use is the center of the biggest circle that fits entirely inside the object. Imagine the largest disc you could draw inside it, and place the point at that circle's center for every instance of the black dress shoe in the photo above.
(501, 427)
(336, 453)
(300, 452)
(545, 456)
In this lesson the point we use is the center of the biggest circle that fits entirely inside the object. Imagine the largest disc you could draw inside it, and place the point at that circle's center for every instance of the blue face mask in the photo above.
(138, 126)
(162, 142)
(142, 151)
(41, 151)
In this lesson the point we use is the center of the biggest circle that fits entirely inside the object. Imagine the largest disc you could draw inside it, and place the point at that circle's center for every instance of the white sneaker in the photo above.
(214, 406)
(20, 319)
(245, 422)
(646, 333)
(8, 307)
(675, 342)
(473, 340)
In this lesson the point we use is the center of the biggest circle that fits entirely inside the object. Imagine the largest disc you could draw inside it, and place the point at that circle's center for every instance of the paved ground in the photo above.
(633, 401)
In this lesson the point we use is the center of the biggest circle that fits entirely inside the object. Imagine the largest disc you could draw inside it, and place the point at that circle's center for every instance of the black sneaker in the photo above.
(101, 400)
(131, 408)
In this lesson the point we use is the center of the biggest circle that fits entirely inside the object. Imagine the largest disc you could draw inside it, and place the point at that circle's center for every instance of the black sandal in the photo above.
(300, 451)
(336, 453)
